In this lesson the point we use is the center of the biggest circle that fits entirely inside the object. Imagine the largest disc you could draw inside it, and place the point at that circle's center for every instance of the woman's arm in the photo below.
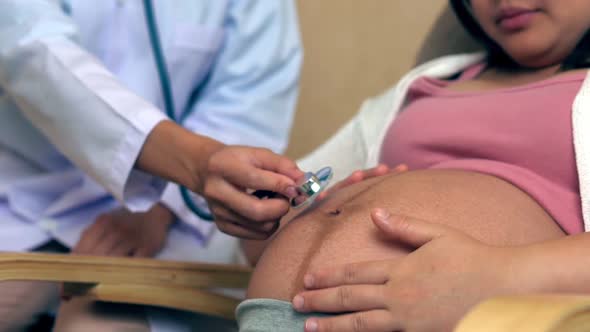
(557, 266)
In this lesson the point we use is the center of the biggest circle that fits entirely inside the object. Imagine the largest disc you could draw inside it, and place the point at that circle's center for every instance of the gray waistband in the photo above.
(269, 315)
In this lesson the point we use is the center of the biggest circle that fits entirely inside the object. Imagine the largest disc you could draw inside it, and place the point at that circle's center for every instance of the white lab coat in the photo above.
(83, 90)
(358, 143)
(79, 93)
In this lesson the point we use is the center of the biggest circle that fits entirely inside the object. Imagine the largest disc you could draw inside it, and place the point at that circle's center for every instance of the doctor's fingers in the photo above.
(252, 176)
(231, 223)
(242, 232)
(262, 158)
(222, 213)
(268, 160)
(251, 208)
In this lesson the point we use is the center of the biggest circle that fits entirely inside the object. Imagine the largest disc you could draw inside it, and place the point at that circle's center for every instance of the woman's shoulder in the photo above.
(441, 67)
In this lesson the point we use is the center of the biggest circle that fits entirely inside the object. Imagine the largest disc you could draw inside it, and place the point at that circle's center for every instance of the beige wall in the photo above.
(354, 49)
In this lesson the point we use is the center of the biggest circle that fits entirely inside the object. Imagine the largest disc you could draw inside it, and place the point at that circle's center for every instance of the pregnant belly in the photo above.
(339, 230)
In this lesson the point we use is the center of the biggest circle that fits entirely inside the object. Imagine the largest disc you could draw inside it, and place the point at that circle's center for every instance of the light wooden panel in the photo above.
(355, 49)
(177, 285)
(529, 313)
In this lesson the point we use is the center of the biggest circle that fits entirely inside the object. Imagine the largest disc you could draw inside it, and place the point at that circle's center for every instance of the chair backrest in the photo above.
(355, 49)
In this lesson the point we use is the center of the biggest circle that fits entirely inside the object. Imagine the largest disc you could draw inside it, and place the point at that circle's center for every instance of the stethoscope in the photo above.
(309, 187)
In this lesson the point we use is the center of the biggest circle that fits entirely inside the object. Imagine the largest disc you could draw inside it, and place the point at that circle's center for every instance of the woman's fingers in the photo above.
(412, 231)
(378, 170)
(374, 272)
(356, 176)
(346, 298)
(365, 321)
(361, 175)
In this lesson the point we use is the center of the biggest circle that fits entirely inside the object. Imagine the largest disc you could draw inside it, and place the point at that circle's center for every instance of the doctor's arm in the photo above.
(98, 124)
(73, 100)
(248, 99)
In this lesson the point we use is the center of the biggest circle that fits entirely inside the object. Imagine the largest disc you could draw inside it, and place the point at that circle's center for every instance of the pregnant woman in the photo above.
(497, 148)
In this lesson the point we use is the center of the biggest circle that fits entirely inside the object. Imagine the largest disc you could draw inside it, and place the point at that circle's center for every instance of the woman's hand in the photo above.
(233, 173)
(124, 233)
(428, 290)
(362, 175)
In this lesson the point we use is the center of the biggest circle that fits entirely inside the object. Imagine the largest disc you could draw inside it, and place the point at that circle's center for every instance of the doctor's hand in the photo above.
(124, 233)
(428, 290)
(233, 173)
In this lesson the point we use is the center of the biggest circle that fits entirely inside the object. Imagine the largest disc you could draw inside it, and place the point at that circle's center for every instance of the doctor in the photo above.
(85, 144)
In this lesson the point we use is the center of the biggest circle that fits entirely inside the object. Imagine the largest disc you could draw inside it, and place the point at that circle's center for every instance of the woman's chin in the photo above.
(534, 56)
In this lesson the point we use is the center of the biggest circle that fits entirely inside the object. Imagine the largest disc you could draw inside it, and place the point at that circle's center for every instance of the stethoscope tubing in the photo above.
(166, 87)
(322, 177)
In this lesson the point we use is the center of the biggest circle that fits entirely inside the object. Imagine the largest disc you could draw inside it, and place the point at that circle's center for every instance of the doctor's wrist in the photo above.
(177, 154)
(195, 151)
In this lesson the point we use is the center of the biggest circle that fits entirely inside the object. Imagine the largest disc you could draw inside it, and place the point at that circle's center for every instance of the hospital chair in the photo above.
(354, 49)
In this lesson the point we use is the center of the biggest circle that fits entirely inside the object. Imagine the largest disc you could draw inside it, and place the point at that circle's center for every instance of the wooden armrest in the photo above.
(533, 313)
(189, 299)
(114, 270)
(179, 285)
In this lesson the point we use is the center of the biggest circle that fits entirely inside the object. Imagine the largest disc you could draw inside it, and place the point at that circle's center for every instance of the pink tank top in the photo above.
(522, 135)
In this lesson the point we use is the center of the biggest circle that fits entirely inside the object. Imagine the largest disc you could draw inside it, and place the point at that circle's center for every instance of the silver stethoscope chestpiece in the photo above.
(311, 185)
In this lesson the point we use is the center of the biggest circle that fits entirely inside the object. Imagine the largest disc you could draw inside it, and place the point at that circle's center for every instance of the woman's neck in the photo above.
(518, 76)
(497, 78)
